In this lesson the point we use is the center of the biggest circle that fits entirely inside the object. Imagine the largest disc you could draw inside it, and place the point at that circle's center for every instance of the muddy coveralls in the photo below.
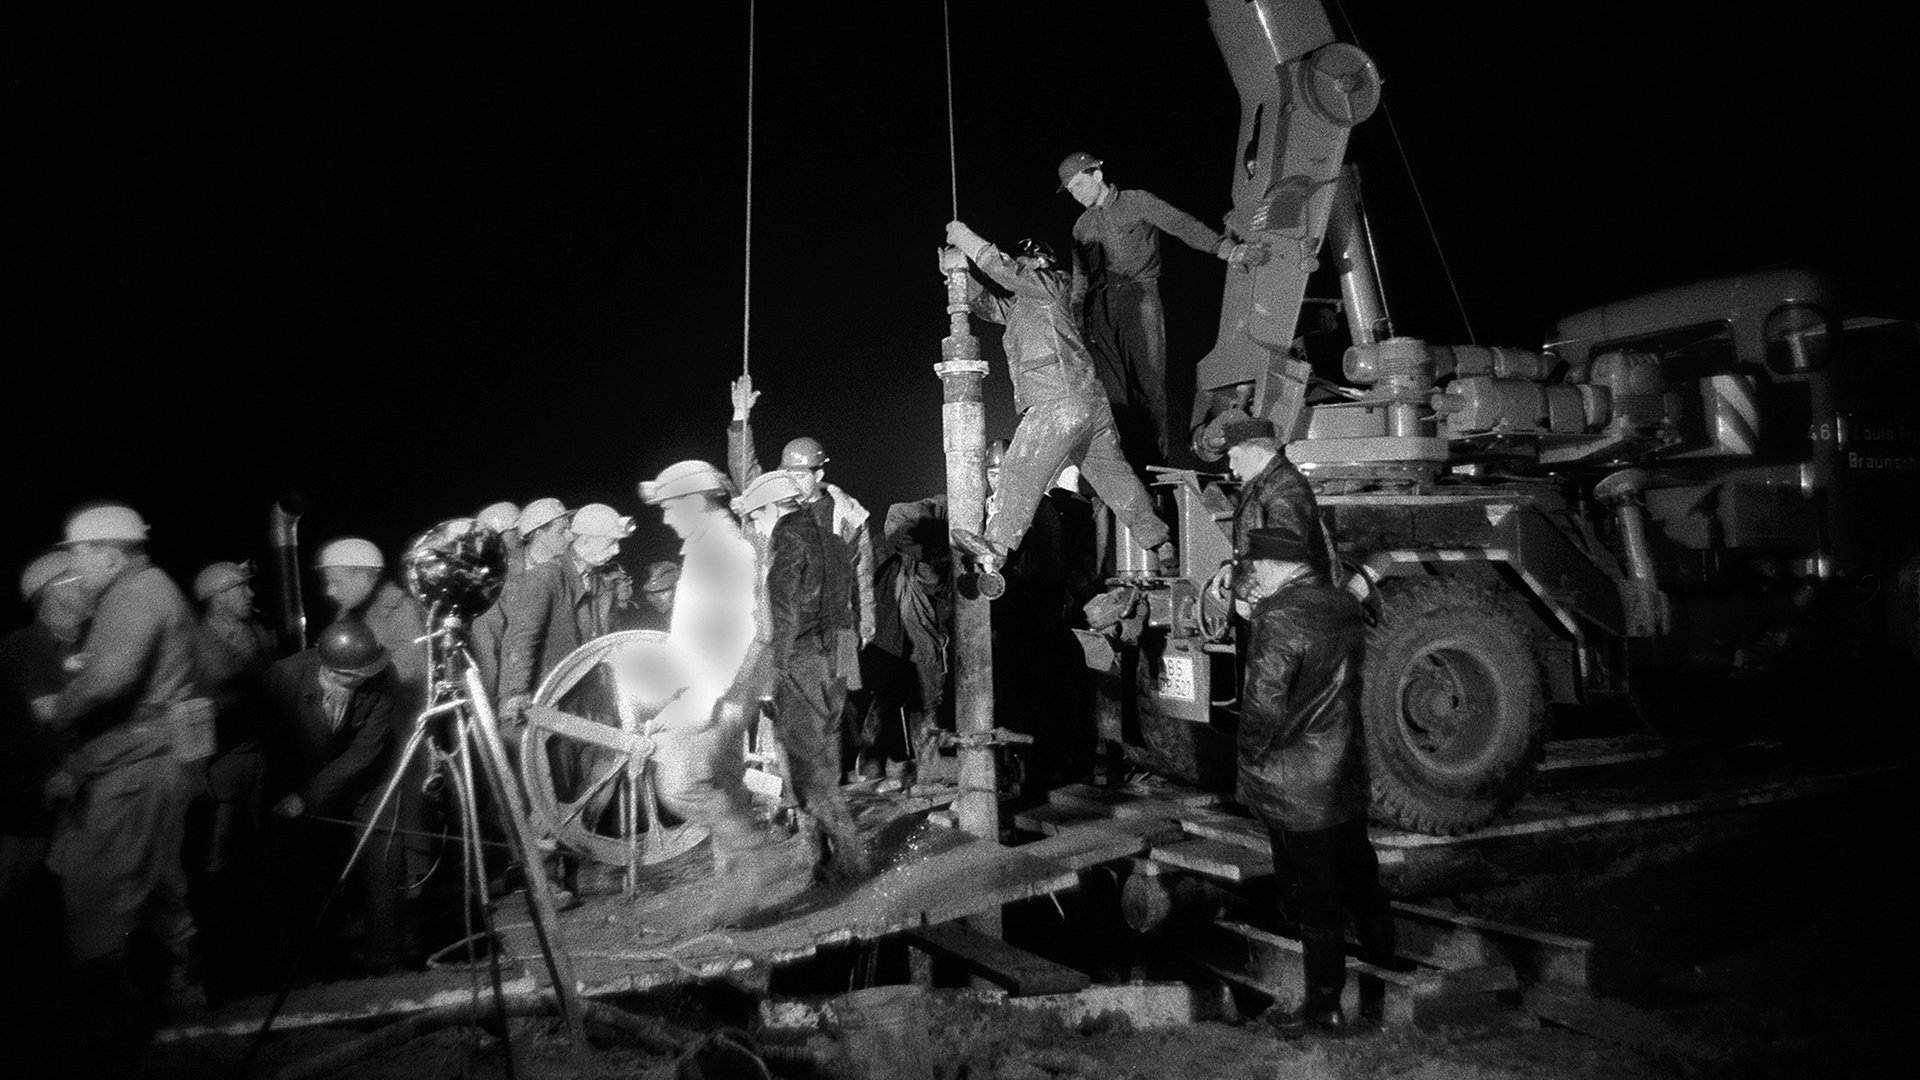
(116, 846)
(809, 607)
(1303, 773)
(699, 758)
(1064, 416)
(1116, 293)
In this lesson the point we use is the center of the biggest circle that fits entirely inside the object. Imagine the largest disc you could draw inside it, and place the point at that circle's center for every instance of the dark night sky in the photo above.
(412, 258)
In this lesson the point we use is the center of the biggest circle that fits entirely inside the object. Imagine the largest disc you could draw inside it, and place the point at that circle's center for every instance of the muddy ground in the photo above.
(1767, 942)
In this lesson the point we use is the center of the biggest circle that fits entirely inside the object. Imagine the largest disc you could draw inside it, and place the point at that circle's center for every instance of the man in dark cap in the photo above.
(1116, 293)
(656, 592)
(1303, 763)
(1272, 491)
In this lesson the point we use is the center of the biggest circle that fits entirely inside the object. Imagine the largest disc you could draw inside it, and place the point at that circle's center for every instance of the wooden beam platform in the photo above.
(1021, 972)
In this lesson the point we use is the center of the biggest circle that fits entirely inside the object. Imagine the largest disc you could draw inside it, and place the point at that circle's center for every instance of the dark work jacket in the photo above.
(552, 612)
(331, 770)
(809, 596)
(1046, 356)
(1279, 495)
(1302, 754)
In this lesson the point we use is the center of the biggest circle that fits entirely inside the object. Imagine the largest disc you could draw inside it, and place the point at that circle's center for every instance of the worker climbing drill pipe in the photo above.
(1064, 415)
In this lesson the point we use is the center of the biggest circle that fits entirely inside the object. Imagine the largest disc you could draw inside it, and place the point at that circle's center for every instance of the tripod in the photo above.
(457, 692)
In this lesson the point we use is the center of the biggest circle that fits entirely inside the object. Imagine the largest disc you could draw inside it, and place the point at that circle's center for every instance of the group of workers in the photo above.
(159, 749)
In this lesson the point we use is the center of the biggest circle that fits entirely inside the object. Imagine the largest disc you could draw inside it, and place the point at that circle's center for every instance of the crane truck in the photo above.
(1715, 479)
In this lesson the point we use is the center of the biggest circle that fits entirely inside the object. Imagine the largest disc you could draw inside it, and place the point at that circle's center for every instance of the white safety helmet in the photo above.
(221, 576)
(350, 551)
(768, 488)
(499, 517)
(683, 478)
(599, 519)
(105, 522)
(539, 512)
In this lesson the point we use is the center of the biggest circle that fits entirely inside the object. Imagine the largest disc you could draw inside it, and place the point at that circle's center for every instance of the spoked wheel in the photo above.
(585, 756)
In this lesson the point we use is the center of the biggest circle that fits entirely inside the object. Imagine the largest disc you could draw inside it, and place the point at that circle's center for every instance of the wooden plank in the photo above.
(1050, 818)
(1159, 802)
(1541, 816)
(1227, 862)
(1538, 956)
(1090, 845)
(1020, 971)
(1612, 1021)
(1273, 964)
(1214, 824)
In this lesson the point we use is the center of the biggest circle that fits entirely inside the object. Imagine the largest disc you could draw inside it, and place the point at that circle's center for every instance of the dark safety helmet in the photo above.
(1037, 249)
(349, 646)
(804, 452)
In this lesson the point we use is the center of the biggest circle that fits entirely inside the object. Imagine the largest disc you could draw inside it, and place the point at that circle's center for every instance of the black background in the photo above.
(413, 258)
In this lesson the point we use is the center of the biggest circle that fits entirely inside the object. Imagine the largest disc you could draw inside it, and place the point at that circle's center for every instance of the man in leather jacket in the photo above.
(809, 605)
(1303, 762)
(1272, 491)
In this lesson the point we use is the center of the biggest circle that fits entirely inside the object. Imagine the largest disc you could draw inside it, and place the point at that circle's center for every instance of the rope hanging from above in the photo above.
(953, 159)
(746, 303)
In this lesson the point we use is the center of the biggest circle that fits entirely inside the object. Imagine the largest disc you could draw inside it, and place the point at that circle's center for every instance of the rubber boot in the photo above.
(844, 854)
(1376, 933)
(1325, 963)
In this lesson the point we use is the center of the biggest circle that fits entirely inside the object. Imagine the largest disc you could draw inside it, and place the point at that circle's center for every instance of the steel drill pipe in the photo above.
(963, 421)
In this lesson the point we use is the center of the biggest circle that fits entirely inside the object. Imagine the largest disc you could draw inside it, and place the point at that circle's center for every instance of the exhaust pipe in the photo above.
(283, 532)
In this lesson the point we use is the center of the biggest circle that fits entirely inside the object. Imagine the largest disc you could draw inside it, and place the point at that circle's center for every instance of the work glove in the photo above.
(1244, 257)
(290, 807)
(744, 396)
(965, 239)
(951, 259)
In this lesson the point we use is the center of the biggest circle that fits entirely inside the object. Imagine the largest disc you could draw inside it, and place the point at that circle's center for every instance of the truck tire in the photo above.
(1452, 703)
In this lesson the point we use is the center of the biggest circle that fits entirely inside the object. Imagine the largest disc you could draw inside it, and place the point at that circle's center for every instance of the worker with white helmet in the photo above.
(354, 574)
(557, 607)
(232, 650)
(561, 604)
(543, 528)
(234, 646)
(116, 848)
(808, 602)
(353, 571)
(489, 630)
(699, 758)
(504, 519)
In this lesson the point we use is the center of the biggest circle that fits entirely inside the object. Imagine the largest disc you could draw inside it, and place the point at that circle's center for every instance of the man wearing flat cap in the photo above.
(1272, 492)
(1116, 293)
(1303, 763)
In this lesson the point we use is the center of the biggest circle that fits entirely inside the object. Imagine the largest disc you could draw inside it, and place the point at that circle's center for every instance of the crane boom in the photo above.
(1301, 92)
